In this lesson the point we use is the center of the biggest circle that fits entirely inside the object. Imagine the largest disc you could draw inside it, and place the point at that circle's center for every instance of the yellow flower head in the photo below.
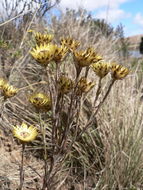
(97, 58)
(70, 43)
(25, 133)
(119, 71)
(41, 101)
(101, 68)
(65, 85)
(9, 90)
(44, 53)
(84, 86)
(85, 58)
(2, 82)
(43, 38)
(60, 53)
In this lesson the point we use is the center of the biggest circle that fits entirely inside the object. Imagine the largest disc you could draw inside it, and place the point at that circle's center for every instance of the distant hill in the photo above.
(134, 41)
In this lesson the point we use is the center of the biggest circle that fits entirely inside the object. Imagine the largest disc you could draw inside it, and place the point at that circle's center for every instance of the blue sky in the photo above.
(127, 12)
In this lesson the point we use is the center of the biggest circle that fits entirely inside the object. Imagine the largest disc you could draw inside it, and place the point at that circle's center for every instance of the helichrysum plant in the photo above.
(65, 85)
(118, 71)
(70, 43)
(43, 53)
(7, 90)
(101, 68)
(84, 86)
(40, 101)
(2, 82)
(43, 38)
(64, 98)
(25, 134)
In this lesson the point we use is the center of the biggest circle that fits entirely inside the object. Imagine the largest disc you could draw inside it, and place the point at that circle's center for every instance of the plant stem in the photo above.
(70, 113)
(107, 93)
(88, 124)
(21, 168)
(98, 91)
(45, 153)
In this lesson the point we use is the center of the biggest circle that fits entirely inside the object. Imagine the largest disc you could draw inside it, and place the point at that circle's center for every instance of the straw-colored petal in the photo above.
(65, 85)
(118, 71)
(43, 38)
(44, 53)
(2, 82)
(41, 101)
(60, 53)
(84, 86)
(25, 133)
(86, 57)
(70, 43)
(101, 68)
(9, 90)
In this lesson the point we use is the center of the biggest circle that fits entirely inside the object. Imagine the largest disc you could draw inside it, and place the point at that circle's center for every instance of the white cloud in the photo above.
(112, 15)
(104, 9)
(90, 5)
(139, 19)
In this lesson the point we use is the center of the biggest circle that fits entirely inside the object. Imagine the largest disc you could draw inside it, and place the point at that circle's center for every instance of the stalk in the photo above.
(21, 168)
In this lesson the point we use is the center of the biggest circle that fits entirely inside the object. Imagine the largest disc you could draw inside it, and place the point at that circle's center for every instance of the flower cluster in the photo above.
(62, 101)
(46, 52)
(103, 68)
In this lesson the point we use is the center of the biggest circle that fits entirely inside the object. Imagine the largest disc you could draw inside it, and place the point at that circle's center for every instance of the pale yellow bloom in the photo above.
(60, 53)
(86, 57)
(41, 101)
(84, 86)
(2, 82)
(101, 68)
(9, 90)
(43, 38)
(25, 133)
(44, 53)
(119, 71)
(70, 43)
(65, 85)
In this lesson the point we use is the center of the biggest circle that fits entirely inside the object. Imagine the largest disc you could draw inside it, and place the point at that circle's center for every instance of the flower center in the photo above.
(24, 134)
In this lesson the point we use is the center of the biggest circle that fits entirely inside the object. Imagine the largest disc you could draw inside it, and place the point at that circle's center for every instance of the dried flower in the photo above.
(9, 90)
(2, 82)
(25, 133)
(44, 53)
(70, 43)
(41, 101)
(101, 68)
(43, 38)
(84, 86)
(60, 53)
(65, 85)
(86, 57)
(97, 58)
(119, 71)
